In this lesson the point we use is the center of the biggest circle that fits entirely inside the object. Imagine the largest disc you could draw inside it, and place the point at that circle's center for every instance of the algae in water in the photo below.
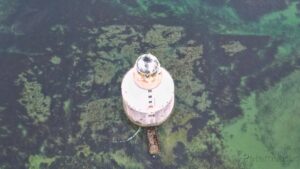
(267, 134)
(36, 103)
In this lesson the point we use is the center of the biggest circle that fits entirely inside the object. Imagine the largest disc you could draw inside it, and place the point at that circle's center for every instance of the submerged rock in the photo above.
(55, 60)
(233, 47)
(36, 103)
(254, 9)
(106, 121)
(7, 7)
(94, 131)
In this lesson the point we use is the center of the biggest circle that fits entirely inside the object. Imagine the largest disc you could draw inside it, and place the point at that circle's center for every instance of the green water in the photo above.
(235, 65)
(266, 134)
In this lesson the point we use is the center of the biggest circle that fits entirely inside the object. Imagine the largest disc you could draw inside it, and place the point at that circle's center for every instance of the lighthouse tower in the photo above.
(148, 92)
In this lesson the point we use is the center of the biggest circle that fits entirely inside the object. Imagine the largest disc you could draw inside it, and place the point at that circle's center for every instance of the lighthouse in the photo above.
(148, 94)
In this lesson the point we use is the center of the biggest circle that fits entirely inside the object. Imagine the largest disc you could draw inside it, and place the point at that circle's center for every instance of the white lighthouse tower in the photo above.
(148, 92)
